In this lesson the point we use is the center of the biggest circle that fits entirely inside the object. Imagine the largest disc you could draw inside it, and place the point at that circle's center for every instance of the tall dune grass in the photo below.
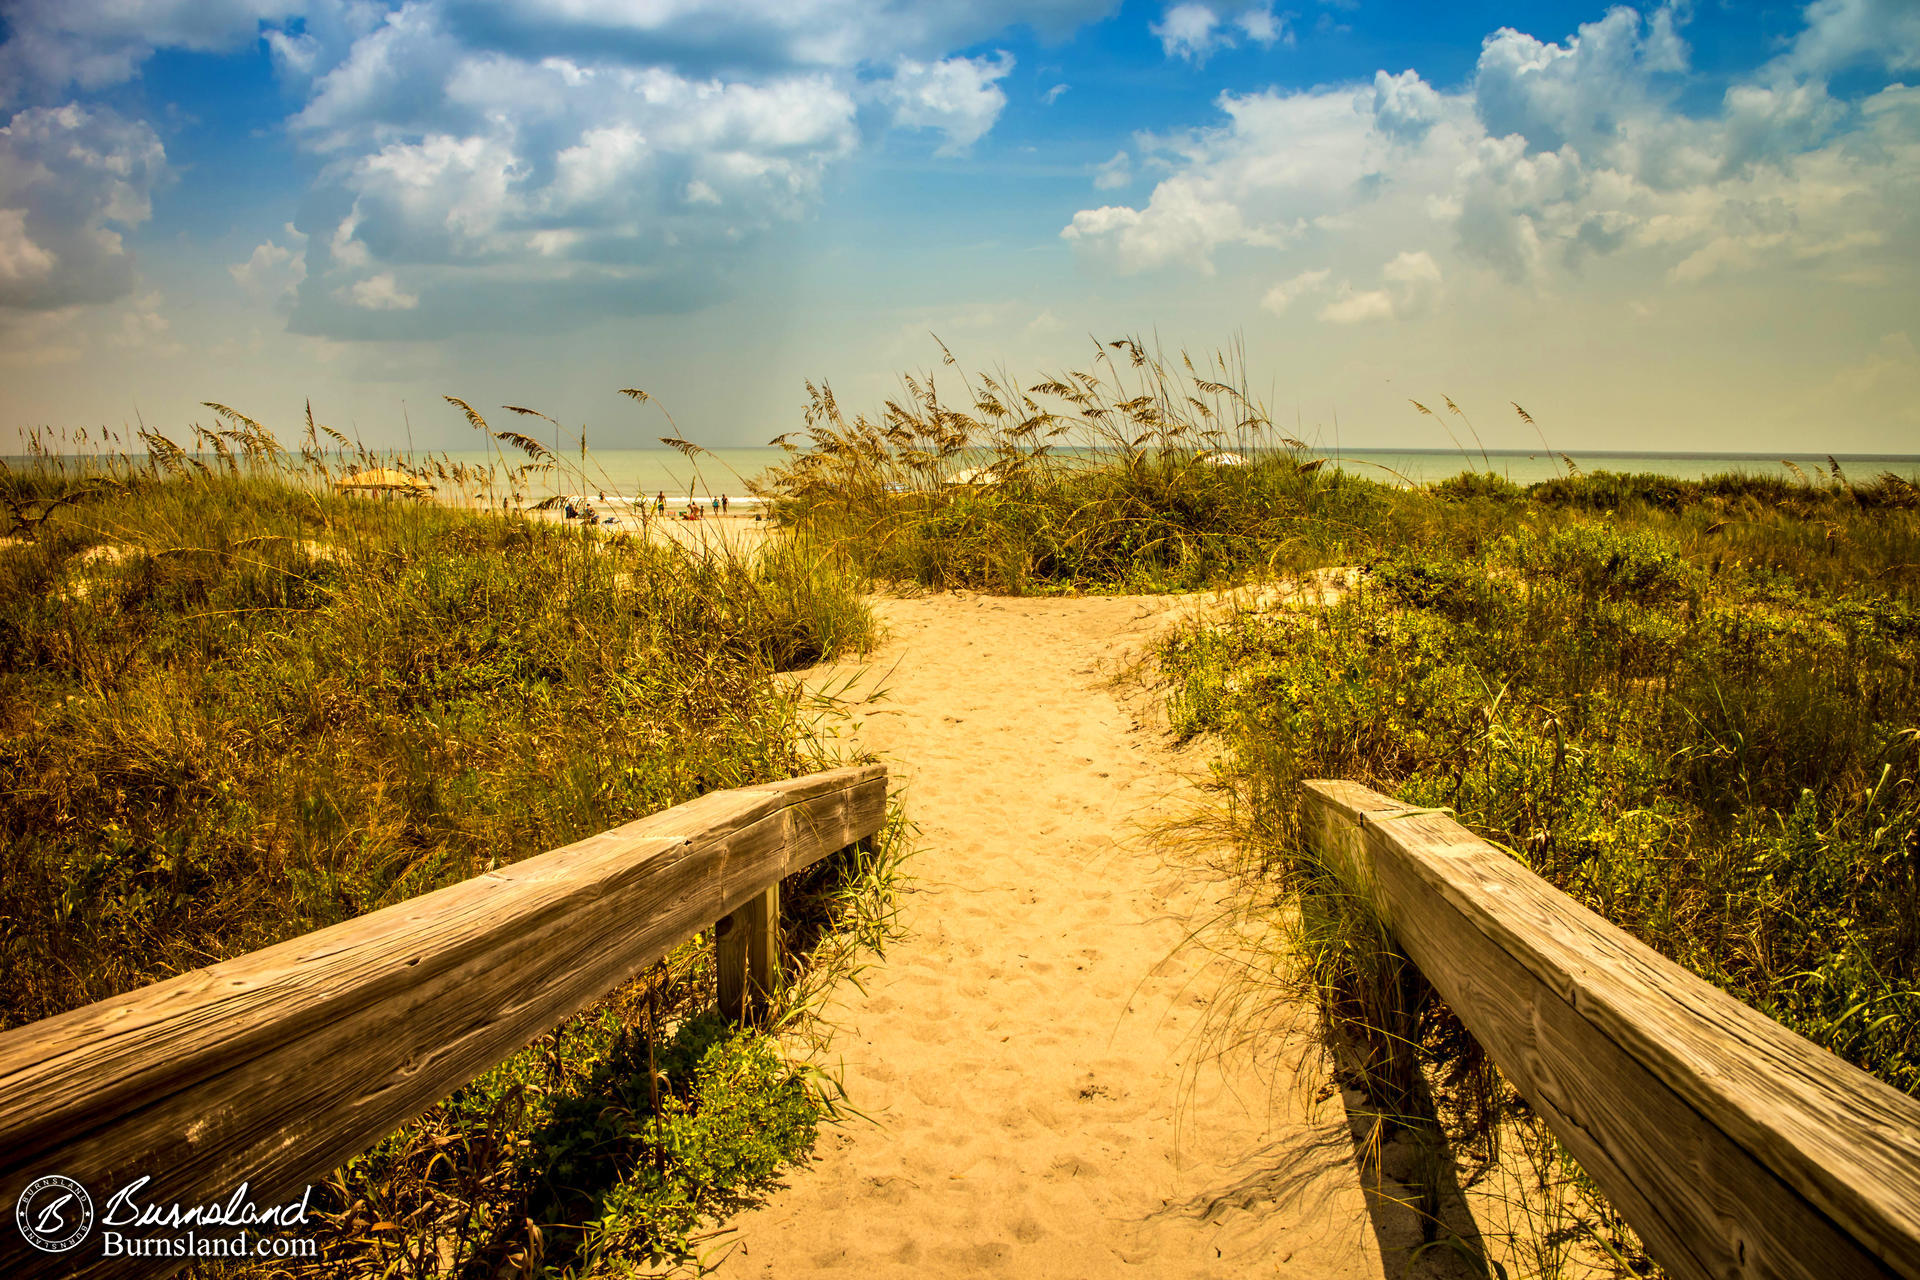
(1112, 477)
(237, 706)
(240, 710)
(1087, 479)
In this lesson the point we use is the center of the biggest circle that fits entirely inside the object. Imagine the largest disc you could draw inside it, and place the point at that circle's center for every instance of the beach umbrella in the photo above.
(1225, 459)
(382, 480)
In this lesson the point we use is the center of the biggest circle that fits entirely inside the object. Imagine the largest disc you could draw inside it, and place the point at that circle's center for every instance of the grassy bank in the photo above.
(235, 707)
(1694, 708)
(1715, 751)
(240, 710)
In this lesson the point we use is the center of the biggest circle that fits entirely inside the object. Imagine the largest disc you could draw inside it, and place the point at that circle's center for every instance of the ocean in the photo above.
(1424, 466)
(651, 471)
(630, 472)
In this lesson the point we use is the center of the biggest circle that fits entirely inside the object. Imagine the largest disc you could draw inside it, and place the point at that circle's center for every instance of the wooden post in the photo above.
(730, 964)
(763, 947)
(746, 956)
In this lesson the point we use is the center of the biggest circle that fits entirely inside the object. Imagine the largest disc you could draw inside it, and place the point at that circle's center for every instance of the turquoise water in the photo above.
(629, 471)
(1424, 466)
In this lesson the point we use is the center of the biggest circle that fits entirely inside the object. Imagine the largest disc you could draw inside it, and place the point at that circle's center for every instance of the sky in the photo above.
(1684, 226)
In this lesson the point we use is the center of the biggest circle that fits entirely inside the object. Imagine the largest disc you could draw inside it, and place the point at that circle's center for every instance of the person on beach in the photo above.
(660, 503)
(723, 504)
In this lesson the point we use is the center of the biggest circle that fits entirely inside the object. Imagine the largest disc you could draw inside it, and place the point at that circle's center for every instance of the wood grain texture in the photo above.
(275, 1067)
(819, 831)
(762, 914)
(730, 966)
(1735, 1147)
(746, 950)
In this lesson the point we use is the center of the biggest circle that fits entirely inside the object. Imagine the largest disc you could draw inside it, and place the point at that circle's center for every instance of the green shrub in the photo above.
(1602, 562)
(1733, 782)
(1470, 485)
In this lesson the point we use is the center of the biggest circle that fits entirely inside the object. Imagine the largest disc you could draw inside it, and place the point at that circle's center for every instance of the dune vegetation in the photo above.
(1691, 705)
(237, 706)
(1698, 717)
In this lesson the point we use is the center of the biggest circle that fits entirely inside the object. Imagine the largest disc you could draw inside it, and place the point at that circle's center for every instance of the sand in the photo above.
(738, 531)
(1029, 1055)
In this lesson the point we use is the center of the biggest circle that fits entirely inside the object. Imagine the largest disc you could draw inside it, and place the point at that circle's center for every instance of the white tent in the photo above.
(1225, 459)
(989, 474)
(383, 480)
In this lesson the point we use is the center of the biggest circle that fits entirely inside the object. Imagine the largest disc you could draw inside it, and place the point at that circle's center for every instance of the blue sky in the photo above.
(1676, 226)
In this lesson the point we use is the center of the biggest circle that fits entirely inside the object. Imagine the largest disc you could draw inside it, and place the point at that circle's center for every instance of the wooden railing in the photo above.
(1733, 1146)
(276, 1067)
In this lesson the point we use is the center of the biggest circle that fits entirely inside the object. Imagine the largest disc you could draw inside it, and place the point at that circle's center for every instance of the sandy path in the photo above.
(1028, 1049)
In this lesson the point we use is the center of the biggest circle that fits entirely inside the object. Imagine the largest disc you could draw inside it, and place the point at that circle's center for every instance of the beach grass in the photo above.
(1693, 708)
(1093, 479)
(237, 705)
(1147, 472)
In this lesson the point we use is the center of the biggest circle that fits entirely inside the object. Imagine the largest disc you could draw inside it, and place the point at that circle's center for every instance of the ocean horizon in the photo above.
(630, 472)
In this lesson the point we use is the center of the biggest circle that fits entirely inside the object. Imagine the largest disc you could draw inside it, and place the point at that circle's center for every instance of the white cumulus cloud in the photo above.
(608, 150)
(1284, 294)
(958, 96)
(272, 272)
(1844, 33)
(382, 293)
(1195, 31)
(93, 44)
(579, 155)
(1190, 31)
(1358, 306)
(73, 179)
(1552, 158)
(1404, 106)
(1182, 223)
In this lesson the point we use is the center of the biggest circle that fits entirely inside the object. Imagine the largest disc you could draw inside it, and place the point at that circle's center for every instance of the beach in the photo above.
(742, 528)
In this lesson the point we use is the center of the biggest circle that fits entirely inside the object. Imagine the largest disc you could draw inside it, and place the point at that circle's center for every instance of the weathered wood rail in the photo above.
(1733, 1146)
(276, 1067)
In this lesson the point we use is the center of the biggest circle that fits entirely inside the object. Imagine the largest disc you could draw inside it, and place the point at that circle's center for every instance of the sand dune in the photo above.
(1030, 1054)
